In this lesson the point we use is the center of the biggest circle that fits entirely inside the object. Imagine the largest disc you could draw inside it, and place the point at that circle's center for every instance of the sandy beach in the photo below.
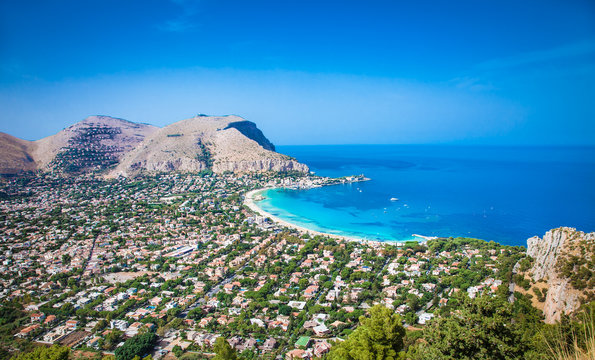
(251, 204)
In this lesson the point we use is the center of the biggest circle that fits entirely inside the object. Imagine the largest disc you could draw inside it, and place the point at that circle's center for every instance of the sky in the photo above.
(307, 72)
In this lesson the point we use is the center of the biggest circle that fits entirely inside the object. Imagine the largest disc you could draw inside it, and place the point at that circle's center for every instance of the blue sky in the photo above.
(307, 72)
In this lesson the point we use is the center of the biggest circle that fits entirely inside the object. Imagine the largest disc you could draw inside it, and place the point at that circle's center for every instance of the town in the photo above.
(88, 263)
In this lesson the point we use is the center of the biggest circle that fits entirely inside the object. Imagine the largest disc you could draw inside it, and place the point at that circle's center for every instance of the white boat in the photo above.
(394, 199)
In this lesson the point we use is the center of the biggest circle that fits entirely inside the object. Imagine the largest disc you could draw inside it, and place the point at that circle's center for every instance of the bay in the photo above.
(504, 194)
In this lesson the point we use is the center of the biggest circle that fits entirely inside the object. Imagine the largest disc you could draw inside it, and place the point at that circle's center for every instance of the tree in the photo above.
(223, 350)
(177, 350)
(379, 336)
(42, 353)
(139, 345)
(482, 328)
(66, 258)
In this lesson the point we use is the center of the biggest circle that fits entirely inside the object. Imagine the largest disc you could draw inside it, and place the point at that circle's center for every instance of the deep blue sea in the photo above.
(505, 194)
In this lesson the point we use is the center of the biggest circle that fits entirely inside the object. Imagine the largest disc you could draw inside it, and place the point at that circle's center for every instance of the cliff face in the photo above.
(564, 259)
(260, 165)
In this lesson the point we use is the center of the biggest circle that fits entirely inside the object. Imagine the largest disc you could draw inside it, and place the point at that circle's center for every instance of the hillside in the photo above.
(16, 155)
(123, 148)
(96, 142)
(227, 143)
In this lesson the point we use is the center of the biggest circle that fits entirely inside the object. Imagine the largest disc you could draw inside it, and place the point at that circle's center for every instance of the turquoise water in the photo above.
(505, 194)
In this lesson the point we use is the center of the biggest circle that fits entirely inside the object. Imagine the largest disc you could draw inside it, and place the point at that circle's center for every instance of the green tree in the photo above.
(66, 258)
(379, 336)
(223, 350)
(42, 353)
(139, 345)
(177, 350)
(480, 328)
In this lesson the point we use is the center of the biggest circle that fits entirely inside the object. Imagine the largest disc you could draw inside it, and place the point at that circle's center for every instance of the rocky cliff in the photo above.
(564, 259)
(121, 147)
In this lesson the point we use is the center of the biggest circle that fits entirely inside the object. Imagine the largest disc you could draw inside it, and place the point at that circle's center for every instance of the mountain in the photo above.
(16, 155)
(565, 260)
(96, 142)
(220, 143)
(121, 147)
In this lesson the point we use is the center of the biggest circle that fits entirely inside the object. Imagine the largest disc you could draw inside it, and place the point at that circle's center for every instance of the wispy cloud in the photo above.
(541, 56)
(178, 25)
(488, 76)
(472, 83)
(184, 22)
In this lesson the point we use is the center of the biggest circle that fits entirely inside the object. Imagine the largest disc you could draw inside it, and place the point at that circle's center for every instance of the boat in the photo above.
(394, 199)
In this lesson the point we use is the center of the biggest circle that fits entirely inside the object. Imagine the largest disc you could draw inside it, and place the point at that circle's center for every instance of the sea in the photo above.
(501, 194)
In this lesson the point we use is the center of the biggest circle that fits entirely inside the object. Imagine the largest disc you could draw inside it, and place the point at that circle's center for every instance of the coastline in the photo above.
(250, 202)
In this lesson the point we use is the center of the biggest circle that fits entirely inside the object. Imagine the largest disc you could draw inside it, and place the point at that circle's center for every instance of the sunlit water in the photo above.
(505, 194)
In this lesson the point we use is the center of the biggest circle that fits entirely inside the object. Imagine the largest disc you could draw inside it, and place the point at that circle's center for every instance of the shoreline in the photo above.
(250, 202)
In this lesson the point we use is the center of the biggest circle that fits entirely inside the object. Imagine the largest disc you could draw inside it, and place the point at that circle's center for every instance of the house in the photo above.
(321, 348)
(37, 317)
(72, 323)
(321, 330)
(321, 317)
(269, 345)
(26, 331)
(235, 342)
(121, 325)
(391, 291)
(155, 301)
(338, 323)
(94, 342)
(171, 305)
(249, 344)
(257, 322)
(297, 304)
(229, 287)
(297, 354)
(205, 321)
(310, 291)
(424, 318)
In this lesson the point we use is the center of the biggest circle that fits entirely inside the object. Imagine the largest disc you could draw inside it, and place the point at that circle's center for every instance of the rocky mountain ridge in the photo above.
(564, 259)
(122, 148)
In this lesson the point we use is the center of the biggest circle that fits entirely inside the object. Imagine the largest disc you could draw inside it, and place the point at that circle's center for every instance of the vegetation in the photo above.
(379, 336)
(223, 350)
(139, 345)
(205, 155)
(570, 340)
(42, 353)
(580, 269)
(482, 328)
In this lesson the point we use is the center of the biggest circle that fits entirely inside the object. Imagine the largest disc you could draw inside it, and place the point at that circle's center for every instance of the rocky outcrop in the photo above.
(558, 257)
(249, 130)
(545, 251)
